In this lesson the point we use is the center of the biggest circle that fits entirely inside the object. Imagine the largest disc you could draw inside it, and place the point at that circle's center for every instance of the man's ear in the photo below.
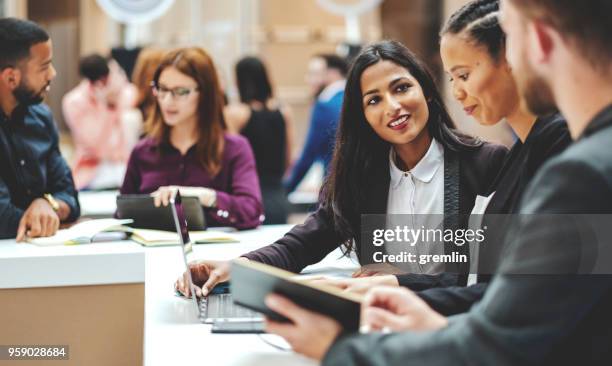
(11, 77)
(544, 37)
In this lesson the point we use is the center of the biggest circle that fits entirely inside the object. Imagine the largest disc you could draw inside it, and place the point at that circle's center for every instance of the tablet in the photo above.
(251, 282)
(141, 209)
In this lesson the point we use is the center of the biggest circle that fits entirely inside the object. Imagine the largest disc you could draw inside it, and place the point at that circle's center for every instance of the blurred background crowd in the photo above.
(295, 53)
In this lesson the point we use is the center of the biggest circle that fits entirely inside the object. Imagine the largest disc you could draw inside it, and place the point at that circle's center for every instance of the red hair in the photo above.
(197, 64)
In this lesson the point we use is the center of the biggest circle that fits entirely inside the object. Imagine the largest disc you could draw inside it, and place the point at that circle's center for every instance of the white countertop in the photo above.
(26, 265)
(173, 335)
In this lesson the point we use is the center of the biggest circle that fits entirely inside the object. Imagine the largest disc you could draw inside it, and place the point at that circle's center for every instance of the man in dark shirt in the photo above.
(36, 187)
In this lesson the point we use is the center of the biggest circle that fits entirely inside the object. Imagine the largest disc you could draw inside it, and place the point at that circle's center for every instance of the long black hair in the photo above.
(252, 79)
(480, 20)
(360, 155)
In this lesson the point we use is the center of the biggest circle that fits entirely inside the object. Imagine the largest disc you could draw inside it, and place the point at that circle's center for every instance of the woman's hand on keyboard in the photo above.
(206, 274)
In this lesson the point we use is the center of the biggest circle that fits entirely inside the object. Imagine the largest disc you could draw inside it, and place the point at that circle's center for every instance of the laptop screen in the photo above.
(180, 217)
(181, 228)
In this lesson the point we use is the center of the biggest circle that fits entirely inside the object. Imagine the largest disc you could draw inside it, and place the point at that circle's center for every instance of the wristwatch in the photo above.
(52, 201)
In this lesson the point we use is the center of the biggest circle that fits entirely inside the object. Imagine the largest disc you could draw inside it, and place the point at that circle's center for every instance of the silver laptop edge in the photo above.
(186, 247)
(176, 205)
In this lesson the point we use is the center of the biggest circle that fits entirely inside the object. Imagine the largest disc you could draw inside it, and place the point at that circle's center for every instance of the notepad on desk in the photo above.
(81, 233)
(89, 231)
(150, 238)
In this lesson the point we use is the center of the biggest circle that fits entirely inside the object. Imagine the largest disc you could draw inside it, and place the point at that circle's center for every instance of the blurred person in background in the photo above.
(326, 77)
(268, 126)
(147, 62)
(187, 148)
(36, 187)
(95, 110)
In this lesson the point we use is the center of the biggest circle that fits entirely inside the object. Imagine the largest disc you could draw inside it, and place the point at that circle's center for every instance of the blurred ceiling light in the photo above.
(350, 10)
(135, 11)
(348, 7)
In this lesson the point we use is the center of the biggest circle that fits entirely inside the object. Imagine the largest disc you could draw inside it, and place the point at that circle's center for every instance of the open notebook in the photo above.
(148, 237)
(81, 233)
(87, 232)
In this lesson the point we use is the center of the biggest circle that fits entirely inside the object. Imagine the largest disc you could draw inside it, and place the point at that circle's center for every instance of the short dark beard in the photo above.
(539, 97)
(26, 96)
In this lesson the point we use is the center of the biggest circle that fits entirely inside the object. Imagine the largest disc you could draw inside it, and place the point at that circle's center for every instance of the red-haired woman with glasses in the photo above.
(187, 147)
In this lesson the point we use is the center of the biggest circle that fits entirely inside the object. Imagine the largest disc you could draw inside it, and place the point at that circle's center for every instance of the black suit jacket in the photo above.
(525, 319)
(548, 137)
(311, 241)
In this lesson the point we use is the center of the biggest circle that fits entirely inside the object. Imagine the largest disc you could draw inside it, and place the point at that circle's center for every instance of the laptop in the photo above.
(218, 307)
(141, 209)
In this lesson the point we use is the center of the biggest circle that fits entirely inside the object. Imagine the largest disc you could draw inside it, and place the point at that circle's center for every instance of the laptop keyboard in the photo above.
(221, 307)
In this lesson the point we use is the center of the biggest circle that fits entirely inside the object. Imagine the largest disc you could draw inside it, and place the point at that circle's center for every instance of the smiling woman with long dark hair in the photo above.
(397, 152)
(360, 168)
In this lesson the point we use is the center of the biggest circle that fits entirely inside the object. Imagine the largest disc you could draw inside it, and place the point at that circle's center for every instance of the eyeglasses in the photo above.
(178, 93)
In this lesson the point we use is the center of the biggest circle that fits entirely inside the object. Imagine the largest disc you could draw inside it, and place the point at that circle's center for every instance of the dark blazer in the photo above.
(525, 319)
(548, 137)
(467, 174)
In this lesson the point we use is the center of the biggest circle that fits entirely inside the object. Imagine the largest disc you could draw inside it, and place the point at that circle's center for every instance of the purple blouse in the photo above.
(239, 204)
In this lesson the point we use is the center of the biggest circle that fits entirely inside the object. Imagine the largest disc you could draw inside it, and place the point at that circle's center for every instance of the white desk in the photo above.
(29, 266)
(90, 298)
(173, 336)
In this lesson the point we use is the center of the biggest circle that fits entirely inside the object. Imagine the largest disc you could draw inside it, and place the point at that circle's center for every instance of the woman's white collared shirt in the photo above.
(421, 189)
(418, 195)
